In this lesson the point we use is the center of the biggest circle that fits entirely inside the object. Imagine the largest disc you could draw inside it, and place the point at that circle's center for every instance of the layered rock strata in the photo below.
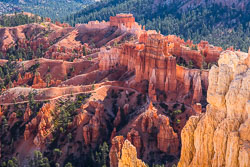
(153, 61)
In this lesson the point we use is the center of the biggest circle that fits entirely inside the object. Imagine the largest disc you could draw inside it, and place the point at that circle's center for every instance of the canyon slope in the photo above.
(112, 93)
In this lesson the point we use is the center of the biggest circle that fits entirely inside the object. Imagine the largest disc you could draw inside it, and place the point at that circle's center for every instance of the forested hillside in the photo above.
(18, 19)
(55, 9)
(219, 24)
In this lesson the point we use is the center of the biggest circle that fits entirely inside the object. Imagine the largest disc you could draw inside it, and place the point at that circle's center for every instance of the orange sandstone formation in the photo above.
(41, 124)
(38, 82)
(129, 156)
(123, 153)
(122, 19)
(116, 150)
(167, 139)
(27, 113)
(96, 127)
(152, 60)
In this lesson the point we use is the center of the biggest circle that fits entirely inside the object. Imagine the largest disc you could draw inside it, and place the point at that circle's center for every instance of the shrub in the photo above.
(176, 112)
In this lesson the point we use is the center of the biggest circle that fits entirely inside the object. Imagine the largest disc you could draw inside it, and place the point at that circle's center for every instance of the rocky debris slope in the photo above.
(220, 137)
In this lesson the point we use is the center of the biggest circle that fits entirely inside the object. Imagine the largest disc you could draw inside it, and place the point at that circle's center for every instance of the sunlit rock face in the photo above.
(123, 153)
(220, 137)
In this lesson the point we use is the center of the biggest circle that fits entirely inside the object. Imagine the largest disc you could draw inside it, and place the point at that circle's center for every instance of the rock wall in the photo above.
(41, 126)
(109, 59)
(123, 153)
(198, 54)
(220, 137)
(96, 126)
(152, 60)
(149, 132)
(129, 156)
(167, 139)
(122, 19)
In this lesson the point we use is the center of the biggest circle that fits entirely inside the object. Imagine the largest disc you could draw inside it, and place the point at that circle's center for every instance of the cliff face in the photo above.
(154, 60)
(149, 132)
(129, 156)
(41, 124)
(220, 137)
(123, 153)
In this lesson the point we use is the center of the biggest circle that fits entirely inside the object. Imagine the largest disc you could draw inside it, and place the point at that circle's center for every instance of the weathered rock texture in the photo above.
(154, 60)
(122, 19)
(220, 137)
(123, 154)
(158, 125)
(149, 132)
(116, 150)
(129, 156)
(41, 126)
(97, 126)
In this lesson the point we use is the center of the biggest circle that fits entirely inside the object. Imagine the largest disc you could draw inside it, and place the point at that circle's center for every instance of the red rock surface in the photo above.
(41, 124)
(92, 131)
(152, 60)
(27, 113)
(122, 19)
(115, 150)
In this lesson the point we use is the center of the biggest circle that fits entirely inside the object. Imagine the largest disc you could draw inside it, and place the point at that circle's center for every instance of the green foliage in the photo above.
(4, 125)
(71, 70)
(55, 9)
(157, 165)
(57, 153)
(93, 86)
(12, 162)
(178, 121)
(69, 136)
(17, 19)
(68, 111)
(16, 52)
(38, 160)
(68, 165)
(84, 51)
(176, 112)
(221, 26)
(190, 64)
(31, 98)
(194, 47)
(8, 73)
(102, 155)
(34, 67)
